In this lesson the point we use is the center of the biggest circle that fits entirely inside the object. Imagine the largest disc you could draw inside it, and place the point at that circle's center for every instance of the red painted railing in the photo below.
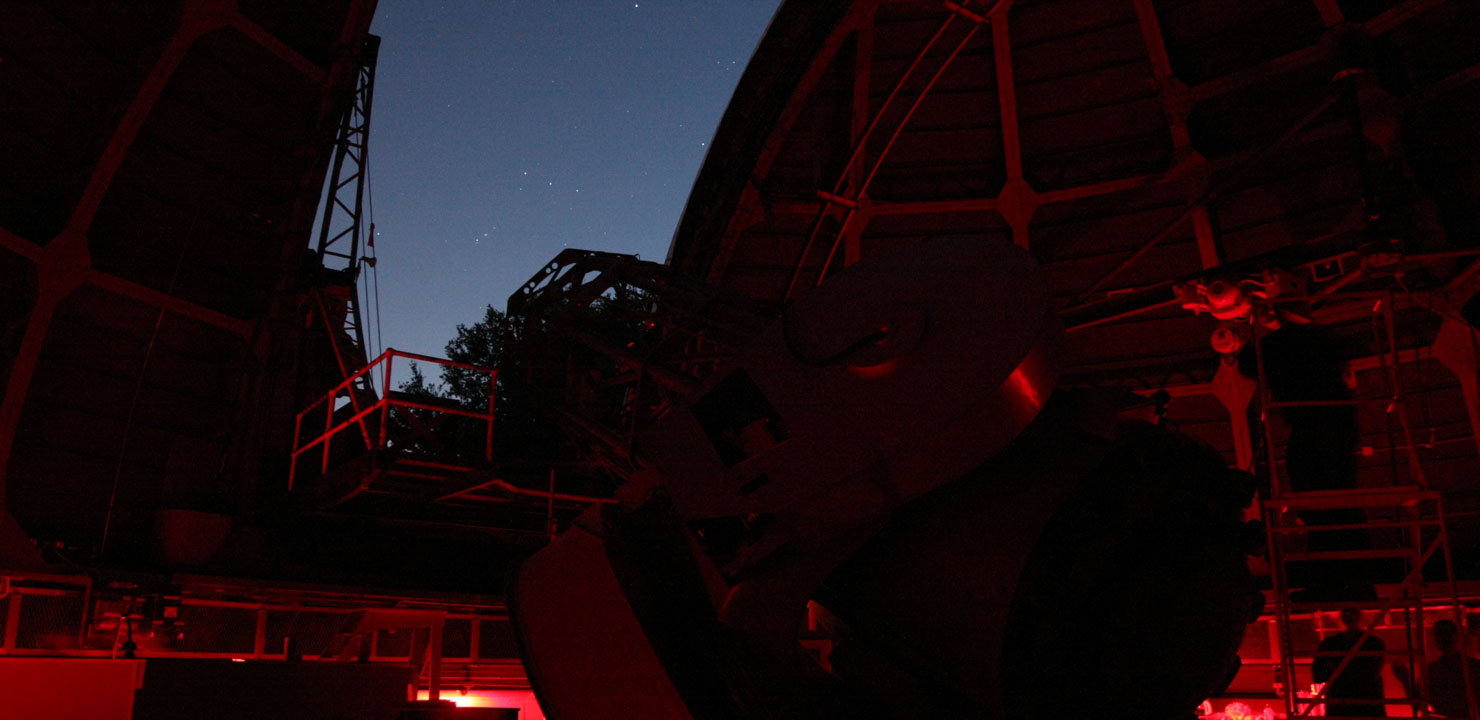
(382, 408)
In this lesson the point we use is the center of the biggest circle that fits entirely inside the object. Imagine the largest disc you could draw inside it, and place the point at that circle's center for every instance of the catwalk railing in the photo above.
(372, 418)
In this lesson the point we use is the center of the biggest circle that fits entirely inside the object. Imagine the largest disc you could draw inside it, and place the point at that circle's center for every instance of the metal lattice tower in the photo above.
(343, 223)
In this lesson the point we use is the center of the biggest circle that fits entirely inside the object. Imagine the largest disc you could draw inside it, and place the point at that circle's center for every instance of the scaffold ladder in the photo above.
(1406, 519)
(1415, 532)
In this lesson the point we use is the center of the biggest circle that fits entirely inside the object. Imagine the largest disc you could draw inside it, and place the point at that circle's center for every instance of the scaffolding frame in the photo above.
(1415, 505)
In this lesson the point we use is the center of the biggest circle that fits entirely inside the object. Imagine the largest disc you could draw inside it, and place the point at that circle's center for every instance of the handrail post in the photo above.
(297, 440)
(385, 397)
(1466, 663)
(328, 428)
(1397, 403)
(382, 408)
(1275, 542)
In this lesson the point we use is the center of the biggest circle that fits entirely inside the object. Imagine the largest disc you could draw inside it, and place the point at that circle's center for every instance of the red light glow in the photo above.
(1024, 388)
(874, 371)
(524, 700)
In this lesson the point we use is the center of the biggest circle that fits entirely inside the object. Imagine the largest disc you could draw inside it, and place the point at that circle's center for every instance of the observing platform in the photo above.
(366, 447)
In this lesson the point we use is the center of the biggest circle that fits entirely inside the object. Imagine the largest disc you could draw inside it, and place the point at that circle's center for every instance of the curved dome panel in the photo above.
(1125, 144)
(163, 162)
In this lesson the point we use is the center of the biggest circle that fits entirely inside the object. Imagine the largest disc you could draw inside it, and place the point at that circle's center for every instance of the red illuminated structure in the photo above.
(160, 191)
(164, 320)
(391, 447)
(1298, 151)
(372, 421)
(944, 510)
(163, 317)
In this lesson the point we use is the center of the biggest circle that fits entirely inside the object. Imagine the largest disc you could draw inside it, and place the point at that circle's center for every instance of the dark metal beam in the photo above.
(1293, 60)
(863, 60)
(861, 190)
(19, 245)
(269, 42)
(1399, 15)
(165, 301)
(858, 14)
(63, 263)
(1212, 194)
(1012, 147)
(200, 18)
(1330, 12)
(1174, 104)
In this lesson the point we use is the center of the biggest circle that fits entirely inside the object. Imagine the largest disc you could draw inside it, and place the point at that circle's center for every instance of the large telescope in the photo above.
(889, 453)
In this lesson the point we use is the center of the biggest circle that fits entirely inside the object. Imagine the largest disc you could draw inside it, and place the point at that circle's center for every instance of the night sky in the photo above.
(504, 131)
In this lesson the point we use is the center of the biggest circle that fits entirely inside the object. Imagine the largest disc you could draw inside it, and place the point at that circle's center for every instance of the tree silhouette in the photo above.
(519, 429)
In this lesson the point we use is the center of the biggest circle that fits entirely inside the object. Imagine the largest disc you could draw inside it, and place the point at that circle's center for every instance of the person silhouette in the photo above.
(1447, 676)
(1305, 364)
(1360, 680)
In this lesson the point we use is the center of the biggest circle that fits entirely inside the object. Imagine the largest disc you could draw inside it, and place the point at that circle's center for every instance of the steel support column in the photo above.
(863, 58)
(1176, 105)
(1017, 202)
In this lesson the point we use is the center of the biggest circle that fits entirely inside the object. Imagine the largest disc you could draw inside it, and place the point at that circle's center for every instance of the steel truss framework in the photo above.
(780, 229)
(64, 264)
(343, 226)
(847, 199)
(842, 209)
(749, 242)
